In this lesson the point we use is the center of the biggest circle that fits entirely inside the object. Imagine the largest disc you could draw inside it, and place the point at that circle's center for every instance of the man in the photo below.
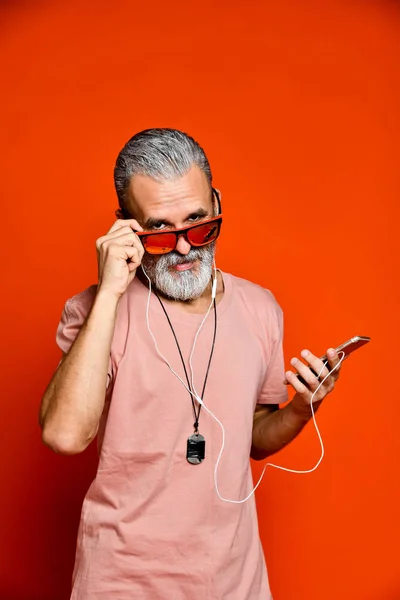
(153, 526)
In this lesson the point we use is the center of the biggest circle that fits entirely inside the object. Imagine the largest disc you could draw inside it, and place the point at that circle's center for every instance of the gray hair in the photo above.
(160, 154)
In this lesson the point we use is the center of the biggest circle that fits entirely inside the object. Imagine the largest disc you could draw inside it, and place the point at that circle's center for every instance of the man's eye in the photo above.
(195, 218)
(158, 226)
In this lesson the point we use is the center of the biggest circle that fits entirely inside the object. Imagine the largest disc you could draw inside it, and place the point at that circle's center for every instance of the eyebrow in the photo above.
(152, 222)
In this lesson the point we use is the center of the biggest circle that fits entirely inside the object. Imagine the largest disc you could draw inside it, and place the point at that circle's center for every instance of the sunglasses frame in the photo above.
(183, 230)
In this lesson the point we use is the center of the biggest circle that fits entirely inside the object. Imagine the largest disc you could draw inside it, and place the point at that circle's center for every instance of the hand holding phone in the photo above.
(347, 347)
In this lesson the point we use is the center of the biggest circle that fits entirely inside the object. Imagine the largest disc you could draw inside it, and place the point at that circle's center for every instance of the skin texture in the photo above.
(272, 430)
(73, 402)
(171, 205)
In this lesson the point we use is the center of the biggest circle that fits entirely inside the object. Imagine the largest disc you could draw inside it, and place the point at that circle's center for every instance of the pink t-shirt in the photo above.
(152, 525)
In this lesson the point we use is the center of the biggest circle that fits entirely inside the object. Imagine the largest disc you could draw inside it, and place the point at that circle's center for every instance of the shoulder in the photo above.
(76, 309)
(80, 303)
(253, 295)
(257, 306)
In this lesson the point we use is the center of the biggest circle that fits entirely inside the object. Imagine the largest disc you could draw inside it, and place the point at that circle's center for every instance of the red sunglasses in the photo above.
(200, 234)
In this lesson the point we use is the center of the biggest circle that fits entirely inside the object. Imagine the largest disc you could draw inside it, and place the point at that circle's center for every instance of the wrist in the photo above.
(300, 410)
(107, 297)
(105, 304)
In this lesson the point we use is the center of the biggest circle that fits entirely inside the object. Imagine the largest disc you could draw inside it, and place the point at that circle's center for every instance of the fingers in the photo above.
(132, 223)
(316, 364)
(308, 388)
(120, 237)
(113, 235)
(321, 367)
(134, 257)
(309, 383)
(296, 384)
(119, 254)
(333, 361)
(309, 378)
(124, 252)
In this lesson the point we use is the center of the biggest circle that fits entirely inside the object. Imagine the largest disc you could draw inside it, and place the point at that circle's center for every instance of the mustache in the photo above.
(174, 258)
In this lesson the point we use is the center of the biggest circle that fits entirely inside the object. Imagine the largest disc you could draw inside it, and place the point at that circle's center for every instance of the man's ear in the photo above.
(218, 193)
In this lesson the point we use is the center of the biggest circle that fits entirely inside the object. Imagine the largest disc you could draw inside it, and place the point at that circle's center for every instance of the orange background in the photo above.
(297, 104)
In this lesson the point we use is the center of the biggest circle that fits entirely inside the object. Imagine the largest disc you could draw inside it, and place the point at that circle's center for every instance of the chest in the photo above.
(150, 407)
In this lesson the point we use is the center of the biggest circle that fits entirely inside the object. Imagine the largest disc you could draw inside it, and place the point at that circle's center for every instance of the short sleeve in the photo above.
(274, 391)
(74, 315)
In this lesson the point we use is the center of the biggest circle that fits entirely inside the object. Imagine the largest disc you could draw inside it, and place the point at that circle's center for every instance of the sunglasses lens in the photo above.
(160, 243)
(203, 234)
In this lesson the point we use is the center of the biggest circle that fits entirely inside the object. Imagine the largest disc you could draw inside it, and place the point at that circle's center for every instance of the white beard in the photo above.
(181, 285)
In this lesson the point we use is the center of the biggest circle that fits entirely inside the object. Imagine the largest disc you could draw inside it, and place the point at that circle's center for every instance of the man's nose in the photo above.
(183, 246)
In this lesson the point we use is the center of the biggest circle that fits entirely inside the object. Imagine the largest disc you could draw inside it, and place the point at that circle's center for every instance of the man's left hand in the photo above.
(302, 399)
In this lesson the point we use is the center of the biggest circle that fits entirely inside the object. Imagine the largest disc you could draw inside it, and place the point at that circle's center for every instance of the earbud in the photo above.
(214, 288)
(215, 283)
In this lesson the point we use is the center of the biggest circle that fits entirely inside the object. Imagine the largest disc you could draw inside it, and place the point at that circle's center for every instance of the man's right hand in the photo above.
(114, 250)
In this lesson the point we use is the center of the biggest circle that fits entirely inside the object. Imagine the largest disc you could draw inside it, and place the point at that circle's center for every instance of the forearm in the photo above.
(74, 400)
(274, 430)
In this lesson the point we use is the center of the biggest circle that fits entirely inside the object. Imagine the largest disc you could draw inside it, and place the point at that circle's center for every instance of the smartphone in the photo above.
(347, 347)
